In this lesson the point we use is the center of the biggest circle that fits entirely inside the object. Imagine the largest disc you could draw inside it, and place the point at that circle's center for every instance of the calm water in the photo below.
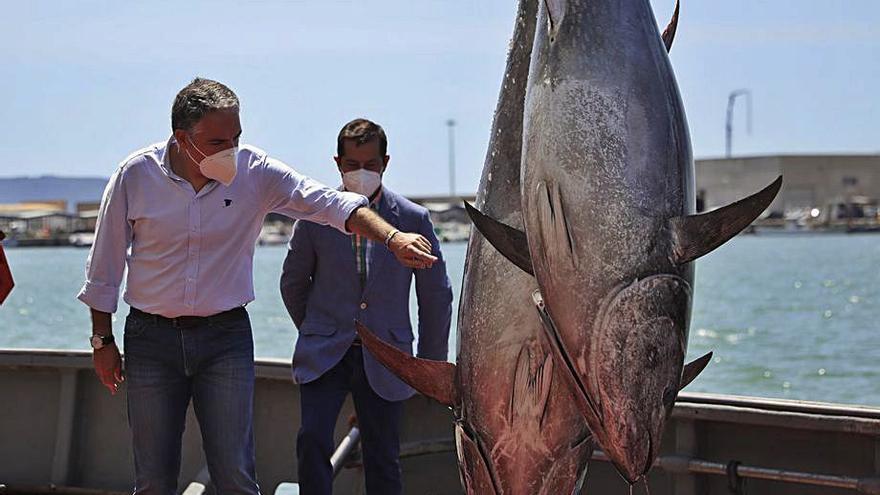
(788, 316)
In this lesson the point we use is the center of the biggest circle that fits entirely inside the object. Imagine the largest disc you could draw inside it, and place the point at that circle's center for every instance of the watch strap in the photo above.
(105, 339)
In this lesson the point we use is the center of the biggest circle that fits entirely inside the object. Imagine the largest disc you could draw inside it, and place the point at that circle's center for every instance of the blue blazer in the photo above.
(321, 289)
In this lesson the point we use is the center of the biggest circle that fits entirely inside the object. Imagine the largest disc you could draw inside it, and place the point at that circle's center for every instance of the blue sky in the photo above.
(87, 82)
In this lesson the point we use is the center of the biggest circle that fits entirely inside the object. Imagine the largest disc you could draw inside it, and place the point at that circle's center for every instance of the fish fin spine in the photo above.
(693, 369)
(510, 242)
(696, 235)
(435, 379)
(669, 32)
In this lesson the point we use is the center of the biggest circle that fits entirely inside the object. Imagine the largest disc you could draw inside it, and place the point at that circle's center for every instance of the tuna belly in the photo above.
(636, 368)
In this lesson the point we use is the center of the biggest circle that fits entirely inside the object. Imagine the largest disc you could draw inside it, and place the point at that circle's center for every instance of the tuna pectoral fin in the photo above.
(669, 32)
(510, 242)
(530, 388)
(435, 379)
(696, 235)
(692, 369)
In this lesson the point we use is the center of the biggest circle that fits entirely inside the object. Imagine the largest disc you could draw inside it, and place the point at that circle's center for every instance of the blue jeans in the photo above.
(209, 360)
(378, 420)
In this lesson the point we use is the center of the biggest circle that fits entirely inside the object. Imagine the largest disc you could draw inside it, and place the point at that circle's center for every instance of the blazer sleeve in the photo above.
(296, 275)
(434, 296)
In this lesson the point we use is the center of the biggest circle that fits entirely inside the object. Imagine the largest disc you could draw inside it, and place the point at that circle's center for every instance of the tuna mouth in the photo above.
(632, 461)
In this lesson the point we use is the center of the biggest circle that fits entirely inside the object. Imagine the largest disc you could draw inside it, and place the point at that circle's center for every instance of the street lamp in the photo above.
(729, 127)
(451, 124)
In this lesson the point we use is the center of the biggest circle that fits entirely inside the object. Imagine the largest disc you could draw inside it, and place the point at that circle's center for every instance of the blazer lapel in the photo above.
(379, 253)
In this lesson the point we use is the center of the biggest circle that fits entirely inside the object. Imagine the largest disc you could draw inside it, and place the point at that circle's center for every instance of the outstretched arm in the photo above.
(412, 250)
(289, 193)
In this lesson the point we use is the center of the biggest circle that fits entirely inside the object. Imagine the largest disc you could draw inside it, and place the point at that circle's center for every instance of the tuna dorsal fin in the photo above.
(435, 379)
(696, 235)
(669, 32)
(693, 369)
(510, 242)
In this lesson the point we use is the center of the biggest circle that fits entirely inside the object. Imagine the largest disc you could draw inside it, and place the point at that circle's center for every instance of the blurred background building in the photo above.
(820, 193)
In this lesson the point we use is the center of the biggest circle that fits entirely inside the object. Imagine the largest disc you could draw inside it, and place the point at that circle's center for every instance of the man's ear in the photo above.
(338, 160)
(179, 135)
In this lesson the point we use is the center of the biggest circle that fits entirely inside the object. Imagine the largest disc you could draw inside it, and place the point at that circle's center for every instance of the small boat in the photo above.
(82, 239)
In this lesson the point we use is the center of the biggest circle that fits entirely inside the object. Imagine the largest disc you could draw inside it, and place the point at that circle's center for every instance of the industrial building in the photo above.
(824, 187)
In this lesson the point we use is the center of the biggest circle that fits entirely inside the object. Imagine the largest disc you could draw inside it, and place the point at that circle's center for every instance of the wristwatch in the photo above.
(99, 341)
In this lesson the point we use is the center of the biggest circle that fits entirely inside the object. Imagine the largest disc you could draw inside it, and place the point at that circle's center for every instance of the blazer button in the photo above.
(363, 305)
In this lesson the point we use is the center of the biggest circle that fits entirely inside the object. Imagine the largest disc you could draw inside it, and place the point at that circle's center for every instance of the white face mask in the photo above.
(362, 181)
(220, 166)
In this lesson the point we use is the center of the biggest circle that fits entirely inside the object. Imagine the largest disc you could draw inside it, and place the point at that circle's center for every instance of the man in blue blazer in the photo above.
(330, 280)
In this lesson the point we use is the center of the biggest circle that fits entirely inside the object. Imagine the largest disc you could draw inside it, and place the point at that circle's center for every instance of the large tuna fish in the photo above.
(608, 206)
(517, 429)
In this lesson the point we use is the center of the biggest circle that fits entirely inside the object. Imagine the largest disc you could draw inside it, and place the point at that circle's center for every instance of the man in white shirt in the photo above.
(184, 217)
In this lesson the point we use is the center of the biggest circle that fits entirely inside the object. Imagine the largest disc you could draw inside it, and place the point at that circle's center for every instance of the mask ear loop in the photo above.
(196, 148)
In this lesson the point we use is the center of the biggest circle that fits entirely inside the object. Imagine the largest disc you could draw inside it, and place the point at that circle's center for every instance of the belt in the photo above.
(191, 321)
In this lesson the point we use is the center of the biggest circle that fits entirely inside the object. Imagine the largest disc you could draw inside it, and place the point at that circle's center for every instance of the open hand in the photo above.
(412, 250)
(108, 367)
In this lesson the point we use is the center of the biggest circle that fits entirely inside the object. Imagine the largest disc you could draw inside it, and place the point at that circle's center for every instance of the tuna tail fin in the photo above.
(435, 379)
(693, 369)
(696, 235)
(6, 282)
(510, 242)
(669, 32)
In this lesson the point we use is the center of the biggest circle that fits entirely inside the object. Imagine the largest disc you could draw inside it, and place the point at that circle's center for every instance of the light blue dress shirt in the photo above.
(188, 253)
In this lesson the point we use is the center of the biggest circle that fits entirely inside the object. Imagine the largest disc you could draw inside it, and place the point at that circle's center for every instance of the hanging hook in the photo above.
(735, 483)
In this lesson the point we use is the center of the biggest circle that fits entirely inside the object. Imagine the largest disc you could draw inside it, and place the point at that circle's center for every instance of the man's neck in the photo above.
(178, 162)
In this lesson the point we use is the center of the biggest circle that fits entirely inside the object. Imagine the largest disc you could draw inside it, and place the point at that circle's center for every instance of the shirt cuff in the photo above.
(348, 202)
(99, 297)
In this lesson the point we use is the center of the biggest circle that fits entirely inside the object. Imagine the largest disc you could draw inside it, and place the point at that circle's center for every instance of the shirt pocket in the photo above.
(313, 328)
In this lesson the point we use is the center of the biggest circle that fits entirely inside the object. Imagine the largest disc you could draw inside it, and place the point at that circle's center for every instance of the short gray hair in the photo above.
(199, 98)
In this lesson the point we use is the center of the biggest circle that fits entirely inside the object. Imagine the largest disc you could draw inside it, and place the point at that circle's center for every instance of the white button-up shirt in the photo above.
(188, 253)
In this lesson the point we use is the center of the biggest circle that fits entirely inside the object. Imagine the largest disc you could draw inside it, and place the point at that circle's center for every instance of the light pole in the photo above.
(729, 126)
(451, 124)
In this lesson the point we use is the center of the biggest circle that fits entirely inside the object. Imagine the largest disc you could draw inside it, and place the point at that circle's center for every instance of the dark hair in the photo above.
(362, 131)
(199, 98)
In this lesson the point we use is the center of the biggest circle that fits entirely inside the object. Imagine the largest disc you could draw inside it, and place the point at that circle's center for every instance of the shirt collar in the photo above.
(165, 159)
